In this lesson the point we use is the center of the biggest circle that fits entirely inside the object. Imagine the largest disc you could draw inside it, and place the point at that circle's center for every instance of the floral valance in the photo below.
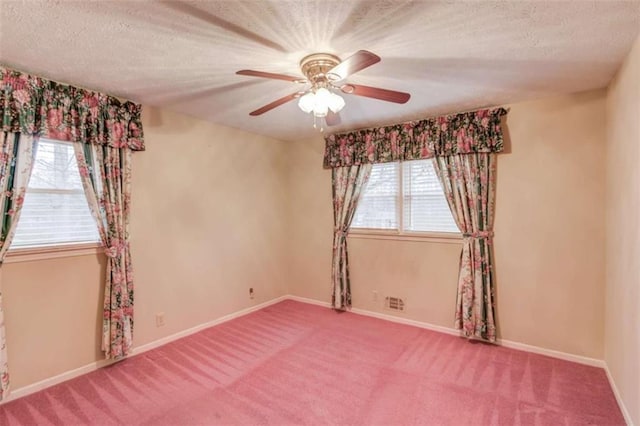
(465, 133)
(33, 105)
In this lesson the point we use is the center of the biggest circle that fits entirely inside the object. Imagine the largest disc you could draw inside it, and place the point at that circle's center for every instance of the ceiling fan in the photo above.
(324, 74)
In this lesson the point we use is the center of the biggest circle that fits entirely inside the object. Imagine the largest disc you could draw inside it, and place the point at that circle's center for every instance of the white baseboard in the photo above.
(381, 316)
(594, 362)
(406, 321)
(51, 381)
(309, 301)
(448, 330)
(616, 393)
(68, 375)
(200, 327)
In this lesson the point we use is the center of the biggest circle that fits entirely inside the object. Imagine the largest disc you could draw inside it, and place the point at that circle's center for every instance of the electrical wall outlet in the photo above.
(251, 293)
(159, 319)
(374, 296)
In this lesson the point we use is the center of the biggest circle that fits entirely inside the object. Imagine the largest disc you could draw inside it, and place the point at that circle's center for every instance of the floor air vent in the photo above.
(394, 303)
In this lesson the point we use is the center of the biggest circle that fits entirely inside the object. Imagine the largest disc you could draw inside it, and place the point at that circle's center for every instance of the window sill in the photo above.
(29, 254)
(429, 237)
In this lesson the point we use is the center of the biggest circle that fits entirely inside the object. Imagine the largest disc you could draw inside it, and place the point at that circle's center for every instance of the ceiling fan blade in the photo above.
(333, 119)
(275, 104)
(252, 73)
(354, 63)
(376, 93)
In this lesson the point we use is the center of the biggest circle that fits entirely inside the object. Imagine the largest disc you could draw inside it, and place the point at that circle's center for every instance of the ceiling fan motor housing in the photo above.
(316, 66)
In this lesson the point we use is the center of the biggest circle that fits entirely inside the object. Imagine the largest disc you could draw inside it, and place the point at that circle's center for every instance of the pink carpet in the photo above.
(294, 363)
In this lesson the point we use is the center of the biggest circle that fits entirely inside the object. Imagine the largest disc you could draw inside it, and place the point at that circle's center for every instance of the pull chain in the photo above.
(315, 125)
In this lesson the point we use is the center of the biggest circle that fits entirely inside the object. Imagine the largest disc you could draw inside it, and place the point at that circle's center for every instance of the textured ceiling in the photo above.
(451, 56)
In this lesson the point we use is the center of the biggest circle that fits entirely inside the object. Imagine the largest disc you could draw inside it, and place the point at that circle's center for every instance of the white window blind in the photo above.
(425, 207)
(406, 197)
(55, 210)
(378, 206)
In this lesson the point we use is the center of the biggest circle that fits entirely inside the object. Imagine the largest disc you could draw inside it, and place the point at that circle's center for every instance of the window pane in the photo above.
(55, 167)
(424, 205)
(55, 209)
(377, 207)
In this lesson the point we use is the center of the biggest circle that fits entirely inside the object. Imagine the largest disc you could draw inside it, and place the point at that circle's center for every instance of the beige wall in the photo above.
(208, 222)
(52, 315)
(549, 240)
(622, 342)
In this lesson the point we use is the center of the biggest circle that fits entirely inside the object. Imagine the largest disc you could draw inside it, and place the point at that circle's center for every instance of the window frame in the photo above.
(57, 250)
(29, 254)
(400, 233)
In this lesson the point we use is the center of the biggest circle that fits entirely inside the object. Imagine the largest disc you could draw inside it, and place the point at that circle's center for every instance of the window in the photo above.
(55, 210)
(377, 207)
(405, 197)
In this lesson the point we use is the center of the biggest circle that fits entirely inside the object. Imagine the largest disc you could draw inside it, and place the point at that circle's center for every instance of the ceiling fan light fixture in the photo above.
(320, 102)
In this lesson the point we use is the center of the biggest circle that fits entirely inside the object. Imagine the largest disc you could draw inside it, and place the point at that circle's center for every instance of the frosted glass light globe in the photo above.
(307, 102)
(320, 102)
(336, 103)
(323, 96)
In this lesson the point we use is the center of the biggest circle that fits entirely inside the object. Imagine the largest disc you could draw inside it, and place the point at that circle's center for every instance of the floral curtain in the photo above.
(469, 183)
(466, 133)
(35, 106)
(106, 179)
(348, 183)
(105, 131)
(16, 162)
